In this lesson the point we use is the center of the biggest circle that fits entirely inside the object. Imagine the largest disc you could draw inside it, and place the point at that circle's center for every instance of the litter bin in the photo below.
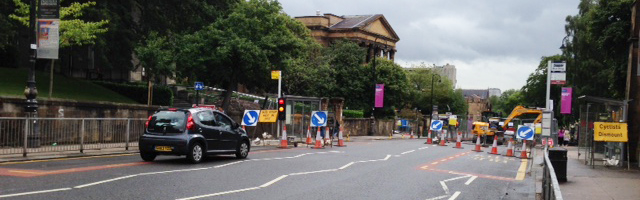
(558, 158)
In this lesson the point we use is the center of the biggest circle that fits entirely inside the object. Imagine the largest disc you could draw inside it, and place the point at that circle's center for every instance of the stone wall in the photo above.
(361, 127)
(14, 107)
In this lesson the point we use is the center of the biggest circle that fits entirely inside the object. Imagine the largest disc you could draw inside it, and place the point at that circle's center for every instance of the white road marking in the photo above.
(105, 181)
(471, 180)
(422, 148)
(220, 193)
(444, 187)
(406, 152)
(313, 172)
(273, 181)
(455, 195)
(347, 165)
(440, 197)
(34, 192)
(179, 170)
(456, 178)
(231, 163)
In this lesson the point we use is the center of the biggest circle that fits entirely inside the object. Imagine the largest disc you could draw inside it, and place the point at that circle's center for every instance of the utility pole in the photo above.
(30, 91)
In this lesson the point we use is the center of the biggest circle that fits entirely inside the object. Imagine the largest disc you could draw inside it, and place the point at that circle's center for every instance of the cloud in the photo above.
(504, 37)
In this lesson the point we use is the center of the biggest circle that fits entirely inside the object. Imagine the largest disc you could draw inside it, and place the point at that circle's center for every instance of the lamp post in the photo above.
(30, 90)
(431, 104)
(374, 80)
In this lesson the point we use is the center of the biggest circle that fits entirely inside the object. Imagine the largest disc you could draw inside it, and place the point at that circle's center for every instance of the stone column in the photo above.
(392, 54)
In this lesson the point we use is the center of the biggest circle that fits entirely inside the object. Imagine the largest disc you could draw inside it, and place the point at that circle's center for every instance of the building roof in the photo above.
(356, 21)
(483, 94)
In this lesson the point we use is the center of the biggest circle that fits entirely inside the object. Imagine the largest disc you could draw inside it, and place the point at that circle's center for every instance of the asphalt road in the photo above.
(369, 169)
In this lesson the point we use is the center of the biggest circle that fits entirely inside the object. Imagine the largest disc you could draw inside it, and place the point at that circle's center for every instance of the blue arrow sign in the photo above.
(525, 132)
(436, 125)
(199, 86)
(250, 117)
(318, 118)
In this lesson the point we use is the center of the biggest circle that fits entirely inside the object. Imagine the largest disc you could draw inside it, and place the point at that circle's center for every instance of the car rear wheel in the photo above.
(196, 153)
(243, 150)
(147, 156)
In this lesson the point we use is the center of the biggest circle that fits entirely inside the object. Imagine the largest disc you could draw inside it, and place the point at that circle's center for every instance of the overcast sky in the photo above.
(492, 43)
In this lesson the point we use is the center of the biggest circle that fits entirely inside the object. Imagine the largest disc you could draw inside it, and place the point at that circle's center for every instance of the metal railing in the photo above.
(22, 135)
(550, 186)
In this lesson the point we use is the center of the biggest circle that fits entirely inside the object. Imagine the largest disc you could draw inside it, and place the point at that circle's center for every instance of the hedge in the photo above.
(162, 95)
(353, 113)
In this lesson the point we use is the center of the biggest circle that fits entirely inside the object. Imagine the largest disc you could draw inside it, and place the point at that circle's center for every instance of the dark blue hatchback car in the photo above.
(194, 132)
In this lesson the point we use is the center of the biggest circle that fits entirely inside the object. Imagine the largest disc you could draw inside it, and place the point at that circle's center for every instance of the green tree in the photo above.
(352, 79)
(396, 87)
(157, 58)
(243, 47)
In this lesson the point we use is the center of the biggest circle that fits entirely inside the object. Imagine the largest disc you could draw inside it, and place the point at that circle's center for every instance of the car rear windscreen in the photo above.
(168, 122)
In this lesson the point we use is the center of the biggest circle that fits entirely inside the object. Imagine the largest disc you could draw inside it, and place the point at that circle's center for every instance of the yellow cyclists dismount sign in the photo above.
(275, 74)
(610, 132)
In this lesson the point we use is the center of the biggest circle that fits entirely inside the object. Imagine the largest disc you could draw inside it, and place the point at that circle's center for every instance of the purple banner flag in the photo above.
(565, 100)
(379, 95)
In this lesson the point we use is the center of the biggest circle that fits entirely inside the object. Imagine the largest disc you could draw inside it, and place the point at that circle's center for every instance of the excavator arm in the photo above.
(521, 110)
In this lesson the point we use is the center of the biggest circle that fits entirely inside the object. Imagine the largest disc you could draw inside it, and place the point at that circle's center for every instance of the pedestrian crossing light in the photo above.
(282, 111)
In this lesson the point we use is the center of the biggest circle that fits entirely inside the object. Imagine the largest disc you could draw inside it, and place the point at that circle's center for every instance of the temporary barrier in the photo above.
(494, 147)
(510, 148)
(318, 140)
(283, 141)
(458, 141)
(340, 139)
(309, 140)
(429, 139)
(523, 154)
(478, 145)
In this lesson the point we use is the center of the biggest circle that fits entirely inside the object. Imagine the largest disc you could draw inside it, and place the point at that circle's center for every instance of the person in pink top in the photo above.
(560, 137)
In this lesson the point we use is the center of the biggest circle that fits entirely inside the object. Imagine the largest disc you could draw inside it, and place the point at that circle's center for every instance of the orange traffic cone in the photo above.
(429, 139)
(411, 135)
(494, 147)
(283, 141)
(523, 154)
(458, 142)
(340, 139)
(442, 139)
(327, 137)
(510, 148)
(318, 140)
(309, 140)
(478, 145)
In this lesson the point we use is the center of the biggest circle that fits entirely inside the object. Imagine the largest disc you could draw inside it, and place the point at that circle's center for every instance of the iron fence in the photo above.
(24, 135)
(550, 186)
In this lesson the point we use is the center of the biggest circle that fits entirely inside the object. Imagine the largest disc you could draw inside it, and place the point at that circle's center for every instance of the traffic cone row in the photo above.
(429, 139)
(510, 148)
(442, 139)
(523, 153)
(283, 141)
(494, 147)
(318, 140)
(458, 142)
(309, 140)
(478, 145)
(340, 139)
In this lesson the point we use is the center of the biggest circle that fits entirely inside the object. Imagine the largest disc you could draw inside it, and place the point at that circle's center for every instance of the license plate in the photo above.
(163, 148)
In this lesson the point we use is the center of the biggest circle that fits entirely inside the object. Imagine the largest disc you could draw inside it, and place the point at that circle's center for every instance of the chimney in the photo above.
(317, 12)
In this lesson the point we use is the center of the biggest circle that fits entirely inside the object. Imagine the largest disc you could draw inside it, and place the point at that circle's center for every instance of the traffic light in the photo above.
(282, 109)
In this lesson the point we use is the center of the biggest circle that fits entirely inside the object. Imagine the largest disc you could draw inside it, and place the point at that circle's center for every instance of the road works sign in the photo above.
(268, 115)
(436, 125)
(525, 132)
(610, 132)
(250, 117)
(318, 118)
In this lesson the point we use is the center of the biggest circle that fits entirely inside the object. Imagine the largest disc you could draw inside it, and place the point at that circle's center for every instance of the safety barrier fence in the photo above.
(550, 186)
(37, 135)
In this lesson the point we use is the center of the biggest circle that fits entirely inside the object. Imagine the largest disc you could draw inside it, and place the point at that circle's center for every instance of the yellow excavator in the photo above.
(521, 110)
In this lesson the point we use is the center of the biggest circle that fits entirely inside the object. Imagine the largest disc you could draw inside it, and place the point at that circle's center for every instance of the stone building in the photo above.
(372, 32)
(448, 71)
(478, 101)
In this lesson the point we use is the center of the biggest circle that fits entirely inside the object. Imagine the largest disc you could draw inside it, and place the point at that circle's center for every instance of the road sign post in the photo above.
(198, 86)
(318, 118)
(251, 117)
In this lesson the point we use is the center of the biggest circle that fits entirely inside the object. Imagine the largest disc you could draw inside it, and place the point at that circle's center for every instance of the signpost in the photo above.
(610, 132)
(525, 133)
(318, 118)
(250, 117)
(198, 86)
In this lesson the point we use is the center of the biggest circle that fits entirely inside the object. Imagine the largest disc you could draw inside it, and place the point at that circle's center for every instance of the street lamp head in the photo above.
(562, 47)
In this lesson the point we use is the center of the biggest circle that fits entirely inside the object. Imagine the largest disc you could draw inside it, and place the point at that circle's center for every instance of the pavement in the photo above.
(586, 183)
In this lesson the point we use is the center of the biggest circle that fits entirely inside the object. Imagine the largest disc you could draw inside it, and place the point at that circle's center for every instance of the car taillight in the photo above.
(190, 124)
(146, 125)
